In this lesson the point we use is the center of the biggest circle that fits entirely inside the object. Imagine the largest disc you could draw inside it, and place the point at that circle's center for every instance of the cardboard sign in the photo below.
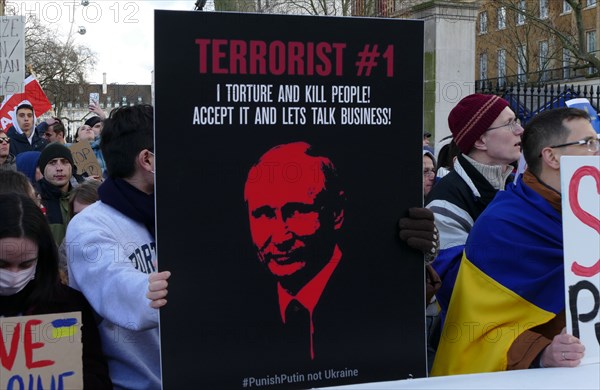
(85, 158)
(41, 352)
(304, 134)
(12, 54)
(580, 182)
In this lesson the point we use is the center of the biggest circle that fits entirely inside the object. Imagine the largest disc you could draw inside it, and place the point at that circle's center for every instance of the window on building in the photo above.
(501, 18)
(483, 66)
(77, 105)
(543, 60)
(591, 46)
(521, 12)
(543, 9)
(501, 66)
(566, 7)
(591, 3)
(483, 22)
(566, 62)
(522, 63)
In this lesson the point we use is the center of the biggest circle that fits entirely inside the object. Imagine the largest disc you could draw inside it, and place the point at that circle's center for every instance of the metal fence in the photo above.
(526, 100)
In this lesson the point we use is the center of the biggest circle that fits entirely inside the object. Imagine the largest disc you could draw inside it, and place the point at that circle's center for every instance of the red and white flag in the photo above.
(33, 93)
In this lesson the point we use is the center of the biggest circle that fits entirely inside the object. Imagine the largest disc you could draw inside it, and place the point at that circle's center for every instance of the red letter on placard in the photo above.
(203, 47)
(583, 215)
(30, 346)
(8, 358)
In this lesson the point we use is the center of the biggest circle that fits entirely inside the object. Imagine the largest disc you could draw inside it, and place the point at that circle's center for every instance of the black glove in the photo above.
(419, 232)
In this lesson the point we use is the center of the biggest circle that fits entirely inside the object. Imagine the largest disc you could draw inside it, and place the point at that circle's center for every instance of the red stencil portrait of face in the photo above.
(295, 211)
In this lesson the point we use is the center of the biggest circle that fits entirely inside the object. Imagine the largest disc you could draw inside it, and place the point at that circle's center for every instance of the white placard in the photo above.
(12, 54)
(580, 182)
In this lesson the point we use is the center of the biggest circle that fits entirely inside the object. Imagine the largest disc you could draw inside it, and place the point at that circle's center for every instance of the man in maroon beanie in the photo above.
(488, 135)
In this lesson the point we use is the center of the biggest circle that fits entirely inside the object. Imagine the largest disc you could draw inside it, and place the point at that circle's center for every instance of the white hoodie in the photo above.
(109, 259)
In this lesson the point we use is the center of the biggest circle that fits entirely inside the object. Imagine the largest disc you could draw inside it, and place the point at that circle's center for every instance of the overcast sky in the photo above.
(120, 32)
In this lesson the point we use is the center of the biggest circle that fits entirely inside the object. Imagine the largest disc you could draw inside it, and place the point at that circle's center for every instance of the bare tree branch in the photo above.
(571, 37)
(56, 62)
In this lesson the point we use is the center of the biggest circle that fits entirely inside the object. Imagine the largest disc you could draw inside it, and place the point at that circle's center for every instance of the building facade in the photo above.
(73, 107)
(523, 41)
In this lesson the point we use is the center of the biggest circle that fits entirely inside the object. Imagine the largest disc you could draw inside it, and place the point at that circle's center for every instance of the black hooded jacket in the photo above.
(19, 142)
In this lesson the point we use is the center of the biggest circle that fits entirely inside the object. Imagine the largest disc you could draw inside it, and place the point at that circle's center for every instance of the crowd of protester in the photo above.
(469, 192)
(476, 203)
(47, 230)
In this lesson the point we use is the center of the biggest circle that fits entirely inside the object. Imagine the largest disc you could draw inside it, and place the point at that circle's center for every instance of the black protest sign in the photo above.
(287, 148)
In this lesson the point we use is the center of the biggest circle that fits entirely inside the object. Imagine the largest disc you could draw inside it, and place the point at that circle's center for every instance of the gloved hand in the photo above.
(419, 232)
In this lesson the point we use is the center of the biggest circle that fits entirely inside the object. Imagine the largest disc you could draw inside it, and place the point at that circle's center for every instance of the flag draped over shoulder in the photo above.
(33, 93)
(446, 265)
(511, 279)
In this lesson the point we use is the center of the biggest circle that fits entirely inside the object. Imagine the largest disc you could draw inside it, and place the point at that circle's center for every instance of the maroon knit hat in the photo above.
(472, 116)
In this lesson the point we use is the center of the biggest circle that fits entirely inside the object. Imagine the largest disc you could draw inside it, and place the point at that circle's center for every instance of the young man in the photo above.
(7, 160)
(22, 133)
(510, 285)
(57, 166)
(119, 277)
(55, 131)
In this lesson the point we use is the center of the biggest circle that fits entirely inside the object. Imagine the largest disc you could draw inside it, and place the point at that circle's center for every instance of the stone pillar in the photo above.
(598, 31)
(449, 58)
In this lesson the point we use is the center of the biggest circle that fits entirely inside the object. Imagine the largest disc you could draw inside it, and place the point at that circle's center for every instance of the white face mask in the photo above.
(13, 282)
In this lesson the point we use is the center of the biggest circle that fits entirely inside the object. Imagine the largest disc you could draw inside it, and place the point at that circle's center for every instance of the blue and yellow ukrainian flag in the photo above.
(65, 327)
(511, 279)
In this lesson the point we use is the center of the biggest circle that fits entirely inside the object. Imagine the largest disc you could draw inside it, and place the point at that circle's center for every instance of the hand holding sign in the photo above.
(85, 159)
(157, 288)
(564, 351)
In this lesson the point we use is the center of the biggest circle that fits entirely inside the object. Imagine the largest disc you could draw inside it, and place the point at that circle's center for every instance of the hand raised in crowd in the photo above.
(419, 232)
(95, 177)
(565, 351)
(157, 288)
(94, 106)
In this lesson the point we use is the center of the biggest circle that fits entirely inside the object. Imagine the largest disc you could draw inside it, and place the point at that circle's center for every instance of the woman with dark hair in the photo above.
(446, 156)
(29, 282)
(14, 181)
